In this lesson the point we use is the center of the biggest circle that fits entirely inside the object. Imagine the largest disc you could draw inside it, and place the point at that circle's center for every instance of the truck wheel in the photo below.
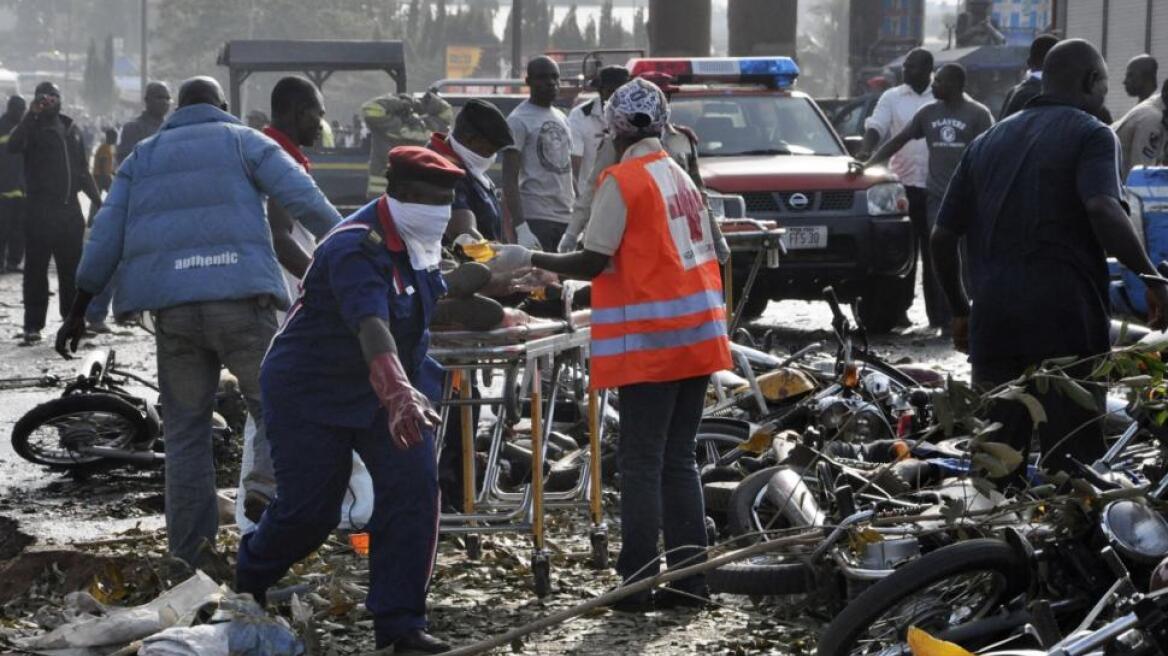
(755, 305)
(881, 304)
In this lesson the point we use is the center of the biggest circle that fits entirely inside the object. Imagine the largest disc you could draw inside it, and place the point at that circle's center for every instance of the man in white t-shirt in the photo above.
(537, 170)
(1143, 133)
(893, 113)
(586, 121)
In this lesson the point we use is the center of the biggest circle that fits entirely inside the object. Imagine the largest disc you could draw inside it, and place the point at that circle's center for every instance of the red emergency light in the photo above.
(778, 72)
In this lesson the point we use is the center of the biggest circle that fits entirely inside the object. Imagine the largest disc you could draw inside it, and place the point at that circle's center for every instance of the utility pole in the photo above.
(516, 38)
(143, 66)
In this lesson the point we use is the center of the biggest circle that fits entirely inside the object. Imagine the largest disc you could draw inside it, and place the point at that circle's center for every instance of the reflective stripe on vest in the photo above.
(658, 313)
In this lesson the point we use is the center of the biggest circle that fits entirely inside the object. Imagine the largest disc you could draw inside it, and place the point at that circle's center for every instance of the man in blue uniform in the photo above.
(480, 132)
(349, 371)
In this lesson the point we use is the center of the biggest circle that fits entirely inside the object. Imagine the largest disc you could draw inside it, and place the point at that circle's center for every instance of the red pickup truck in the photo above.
(764, 141)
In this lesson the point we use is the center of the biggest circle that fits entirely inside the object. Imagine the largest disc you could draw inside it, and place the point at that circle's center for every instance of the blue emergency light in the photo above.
(783, 70)
(778, 72)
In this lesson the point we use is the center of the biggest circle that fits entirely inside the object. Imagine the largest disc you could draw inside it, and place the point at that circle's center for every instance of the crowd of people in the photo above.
(208, 224)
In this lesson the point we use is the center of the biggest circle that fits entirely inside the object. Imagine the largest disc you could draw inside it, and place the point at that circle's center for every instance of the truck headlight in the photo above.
(887, 198)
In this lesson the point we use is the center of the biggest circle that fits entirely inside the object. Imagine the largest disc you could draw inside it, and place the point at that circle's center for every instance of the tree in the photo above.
(590, 38)
(566, 35)
(107, 89)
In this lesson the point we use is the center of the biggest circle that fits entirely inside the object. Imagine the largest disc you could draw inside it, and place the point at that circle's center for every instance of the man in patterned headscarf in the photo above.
(658, 332)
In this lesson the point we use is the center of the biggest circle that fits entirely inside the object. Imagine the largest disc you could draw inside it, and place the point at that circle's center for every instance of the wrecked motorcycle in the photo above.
(97, 421)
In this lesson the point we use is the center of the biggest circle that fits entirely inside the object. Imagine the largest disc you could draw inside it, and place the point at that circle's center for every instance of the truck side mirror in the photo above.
(853, 144)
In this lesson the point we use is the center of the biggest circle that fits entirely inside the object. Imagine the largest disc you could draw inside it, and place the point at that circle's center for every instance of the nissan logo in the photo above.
(798, 201)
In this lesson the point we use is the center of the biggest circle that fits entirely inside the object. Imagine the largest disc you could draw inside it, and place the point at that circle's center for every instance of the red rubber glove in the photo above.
(410, 412)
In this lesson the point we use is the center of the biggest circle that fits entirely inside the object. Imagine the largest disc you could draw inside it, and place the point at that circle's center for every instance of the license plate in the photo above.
(805, 237)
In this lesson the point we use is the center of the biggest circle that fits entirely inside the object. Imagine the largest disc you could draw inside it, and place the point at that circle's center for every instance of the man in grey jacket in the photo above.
(184, 225)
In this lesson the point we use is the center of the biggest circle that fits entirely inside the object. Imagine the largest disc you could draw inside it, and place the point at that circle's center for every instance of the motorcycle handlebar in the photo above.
(833, 302)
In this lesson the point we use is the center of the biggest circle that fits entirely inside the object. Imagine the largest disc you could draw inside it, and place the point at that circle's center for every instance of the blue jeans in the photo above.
(660, 489)
(194, 341)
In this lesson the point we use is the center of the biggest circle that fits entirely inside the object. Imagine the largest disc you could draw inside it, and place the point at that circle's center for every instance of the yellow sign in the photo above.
(462, 61)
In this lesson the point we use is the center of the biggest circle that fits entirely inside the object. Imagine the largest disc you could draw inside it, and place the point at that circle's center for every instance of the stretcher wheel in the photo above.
(474, 547)
(599, 549)
(541, 569)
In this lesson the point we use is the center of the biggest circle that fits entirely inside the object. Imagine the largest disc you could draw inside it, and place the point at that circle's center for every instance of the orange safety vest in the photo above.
(658, 312)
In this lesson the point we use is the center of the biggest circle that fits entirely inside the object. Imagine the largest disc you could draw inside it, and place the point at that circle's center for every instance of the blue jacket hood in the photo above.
(194, 114)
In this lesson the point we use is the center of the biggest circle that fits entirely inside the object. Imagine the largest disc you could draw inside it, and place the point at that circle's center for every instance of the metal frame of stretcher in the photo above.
(533, 351)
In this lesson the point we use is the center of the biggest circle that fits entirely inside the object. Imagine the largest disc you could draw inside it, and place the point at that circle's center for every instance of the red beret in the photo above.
(424, 165)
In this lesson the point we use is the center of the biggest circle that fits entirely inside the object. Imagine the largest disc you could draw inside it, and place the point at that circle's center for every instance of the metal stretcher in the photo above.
(524, 356)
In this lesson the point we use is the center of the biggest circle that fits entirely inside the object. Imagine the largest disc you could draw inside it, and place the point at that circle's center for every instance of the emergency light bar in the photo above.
(778, 72)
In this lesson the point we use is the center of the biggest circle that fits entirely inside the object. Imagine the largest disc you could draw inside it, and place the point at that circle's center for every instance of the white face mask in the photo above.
(476, 164)
(421, 227)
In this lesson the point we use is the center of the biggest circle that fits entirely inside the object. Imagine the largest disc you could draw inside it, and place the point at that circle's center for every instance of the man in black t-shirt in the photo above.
(948, 125)
(1040, 204)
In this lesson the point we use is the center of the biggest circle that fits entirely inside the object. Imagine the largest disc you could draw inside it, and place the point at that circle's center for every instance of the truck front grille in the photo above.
(837, 201)
(759, 202)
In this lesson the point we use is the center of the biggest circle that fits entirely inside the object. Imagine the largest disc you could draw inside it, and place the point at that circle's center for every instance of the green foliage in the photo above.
(960, 410)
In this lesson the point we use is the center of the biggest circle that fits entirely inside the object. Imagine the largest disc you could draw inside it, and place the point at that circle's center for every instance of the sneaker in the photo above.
(668, 598)
(418, 641)
(28, 338)
(97, 328)
(640, 603)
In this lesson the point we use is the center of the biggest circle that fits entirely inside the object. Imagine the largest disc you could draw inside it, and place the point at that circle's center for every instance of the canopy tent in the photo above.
(318, 60)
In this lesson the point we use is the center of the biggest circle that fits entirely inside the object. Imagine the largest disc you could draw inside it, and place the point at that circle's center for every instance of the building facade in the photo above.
(1121, 29)
(1022, 20)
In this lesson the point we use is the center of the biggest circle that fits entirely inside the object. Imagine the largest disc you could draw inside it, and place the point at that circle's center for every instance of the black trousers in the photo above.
(1070, 430)
(52, 231)
(549, 233)
(11, 231)
(936, 307)
(660, 489)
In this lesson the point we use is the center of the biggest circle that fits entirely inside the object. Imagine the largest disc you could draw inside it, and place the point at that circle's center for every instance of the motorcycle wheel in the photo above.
(715, 439)
(769, 574)
(42, 435)
(946, 588)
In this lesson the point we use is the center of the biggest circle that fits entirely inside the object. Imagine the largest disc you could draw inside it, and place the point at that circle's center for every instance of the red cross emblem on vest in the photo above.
(686, 203)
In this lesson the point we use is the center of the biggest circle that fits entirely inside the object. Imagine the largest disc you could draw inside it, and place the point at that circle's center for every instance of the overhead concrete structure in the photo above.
(762, 27)
(679, 28)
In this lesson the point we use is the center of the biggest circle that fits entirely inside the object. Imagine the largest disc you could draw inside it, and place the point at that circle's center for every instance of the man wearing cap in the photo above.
(658, 332)
(586, 121)
(349, 371)
(56, 169)
(184, 226)
(480, 132)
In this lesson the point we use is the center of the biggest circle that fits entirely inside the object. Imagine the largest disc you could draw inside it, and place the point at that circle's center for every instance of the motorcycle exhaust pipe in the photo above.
(789, 492)
(142, 457)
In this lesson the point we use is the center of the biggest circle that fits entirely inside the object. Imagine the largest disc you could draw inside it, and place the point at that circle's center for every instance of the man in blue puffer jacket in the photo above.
(185, 227)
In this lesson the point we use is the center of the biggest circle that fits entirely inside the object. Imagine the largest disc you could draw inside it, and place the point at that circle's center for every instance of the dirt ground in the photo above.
(42, 511)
